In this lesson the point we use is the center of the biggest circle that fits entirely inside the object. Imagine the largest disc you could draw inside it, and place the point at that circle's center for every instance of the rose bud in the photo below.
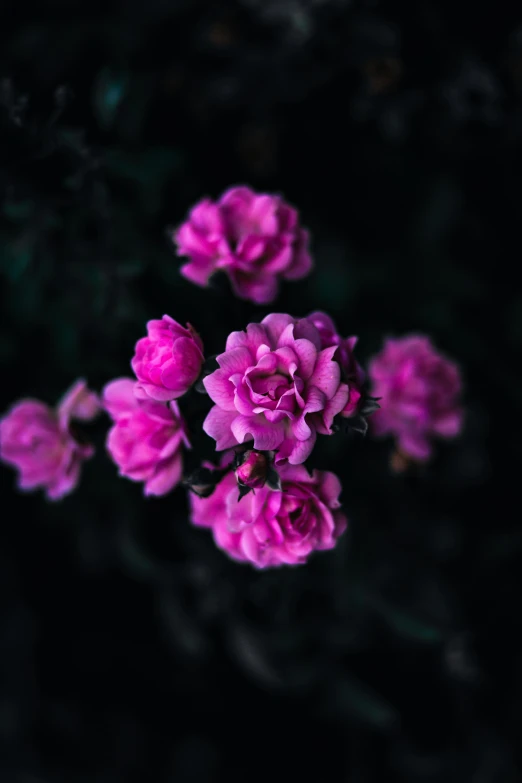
(254, 470)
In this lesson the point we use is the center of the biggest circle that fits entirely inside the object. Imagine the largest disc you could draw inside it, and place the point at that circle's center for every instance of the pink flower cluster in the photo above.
(255, 238)
(40, 442)
(420, 392)
(272, 528)
(278, 385)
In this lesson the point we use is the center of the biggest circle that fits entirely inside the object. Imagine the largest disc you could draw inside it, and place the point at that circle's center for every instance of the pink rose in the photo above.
(146, 439)
(273, 528)
(168, 361)
(276, 386)
(255, 238)
(353, 373)
(39, 443)
(420, 392)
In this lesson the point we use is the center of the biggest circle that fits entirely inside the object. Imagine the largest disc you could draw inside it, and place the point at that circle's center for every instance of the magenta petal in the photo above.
(252, 247)
(300, 428)
(171, 445)
(287, 336)
(302, 450)
(307, 354)
(254, 337)
(298, 474)
(327, 373)
(242, 400)
(206, 217)
(118, 397)
(220, 389)
(250, 547)
(274, 416)
(228, 542)
(417, 446)
(267, 364)
(322, 321)
(449, 425)
(260, 290)
(304, 329)
(302, 265)
(144, 391)
(184, 367)
(192, 242)
(330, 489)
(78, 403)
(275, 324)
(279, 262)
(263, 214)
(267, 435)
(315, 400)
(165, 478)
(236, 360)
(218, 425)
(239, 512)
(332, 408)
(66, 482)
(295, 451)
(198, 273)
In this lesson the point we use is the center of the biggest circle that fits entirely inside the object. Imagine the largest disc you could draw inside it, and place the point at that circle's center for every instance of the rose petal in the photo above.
(267, 435)
(220, 389)
(218, 424)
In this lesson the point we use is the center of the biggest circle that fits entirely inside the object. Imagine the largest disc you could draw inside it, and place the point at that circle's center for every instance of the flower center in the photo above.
(271, 386)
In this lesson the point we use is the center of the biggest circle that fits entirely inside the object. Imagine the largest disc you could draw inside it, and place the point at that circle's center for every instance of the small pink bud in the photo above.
(253, 470)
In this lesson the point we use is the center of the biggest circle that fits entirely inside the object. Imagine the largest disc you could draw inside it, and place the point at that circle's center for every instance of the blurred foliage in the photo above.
(131, 648)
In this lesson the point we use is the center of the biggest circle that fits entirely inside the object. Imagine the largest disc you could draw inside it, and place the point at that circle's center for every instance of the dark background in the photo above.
(131, 649)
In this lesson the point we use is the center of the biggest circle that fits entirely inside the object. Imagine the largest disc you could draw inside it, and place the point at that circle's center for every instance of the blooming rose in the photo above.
(273, 528)
(420, 394)
(277, 386)
(168, 361)
(255, 238)
(39, 443)
(146, 439)
(353, 373)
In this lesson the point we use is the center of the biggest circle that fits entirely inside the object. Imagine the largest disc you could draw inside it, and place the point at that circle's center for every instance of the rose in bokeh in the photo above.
(255, 238)
(420, 394)
(147, 438)
(272, 528)
(168, 361)
(39, 441)
(276, 386)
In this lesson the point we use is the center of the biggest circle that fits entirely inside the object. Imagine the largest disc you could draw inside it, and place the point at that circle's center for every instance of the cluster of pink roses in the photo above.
(278, 385)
